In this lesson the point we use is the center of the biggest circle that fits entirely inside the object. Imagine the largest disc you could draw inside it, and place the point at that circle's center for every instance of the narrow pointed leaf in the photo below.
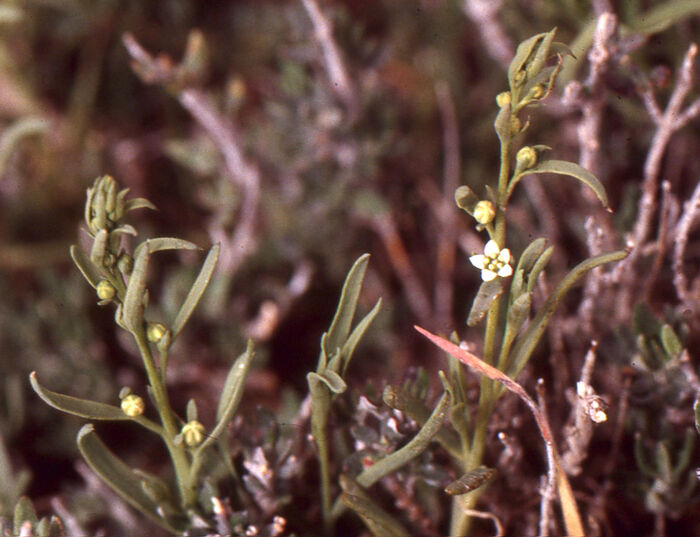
(672, 345)
(539, 266)
(99, 247)
(375, 518)
(571, 169)
(169, 243)
(342, 321)
(541, 55)
(76, 406)
(522, 54)
(528, 340)
(138, 203)
(122, 479)
(88, 269)
(518, 313)
(696, 410)
(349, 346)
(488, 292)
(132, 312)
(529, 256)
(85, 408)
(231, 394)
(196, 291)
(330, 379)
(412, 449)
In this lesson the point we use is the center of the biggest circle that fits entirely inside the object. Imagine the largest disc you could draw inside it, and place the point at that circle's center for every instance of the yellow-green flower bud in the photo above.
(125, 264)
(192, 433)
(536, 91)
(155, 332)
(484, 212)
(503, 99)
(133, 405)
(105, 290)
(526, 158)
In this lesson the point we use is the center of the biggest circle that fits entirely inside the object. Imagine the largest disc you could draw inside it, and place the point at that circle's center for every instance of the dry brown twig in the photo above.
(572, 518)
(484, 13)
(243, 172)
(691, 210)
(332, 57)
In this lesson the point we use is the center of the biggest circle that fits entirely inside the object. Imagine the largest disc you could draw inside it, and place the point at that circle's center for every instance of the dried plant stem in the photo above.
(690, 212)
(484, 13)
(571, 517)
(332, 57)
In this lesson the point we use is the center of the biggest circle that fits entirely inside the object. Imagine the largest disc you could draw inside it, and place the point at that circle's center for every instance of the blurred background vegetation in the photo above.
(370, 170)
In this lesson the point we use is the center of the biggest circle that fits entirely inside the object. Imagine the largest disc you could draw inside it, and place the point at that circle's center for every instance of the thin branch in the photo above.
(571, 515)
(484, 13)
(245, 174)
(667, 124)
(691, 209)
(332, 58)
(548, 492)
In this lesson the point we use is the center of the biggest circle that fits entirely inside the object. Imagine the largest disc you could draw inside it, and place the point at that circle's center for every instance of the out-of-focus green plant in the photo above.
(26, 523)
(507, 345)
(120, 279)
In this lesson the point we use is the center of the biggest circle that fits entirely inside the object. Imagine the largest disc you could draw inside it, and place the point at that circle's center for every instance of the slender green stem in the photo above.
(177, 453)
(319, 434)
(460, 521)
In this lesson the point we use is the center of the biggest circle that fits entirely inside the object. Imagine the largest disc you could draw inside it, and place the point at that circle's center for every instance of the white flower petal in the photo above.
(478, 260)
(504, 256)
(505, 271)
(488, 275)
(492, 249)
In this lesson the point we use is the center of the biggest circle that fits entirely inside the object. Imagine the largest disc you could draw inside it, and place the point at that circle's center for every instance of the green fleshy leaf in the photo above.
(408, 452)
(539, 266)
(518, 313)
(99, 247)
(138, 203)
(76, 406)
(24, 512)
(356, 335)
(534, 67)
(132, 311)
(529, 256)
(342, 320)
(672, 345)
(528, 340)
(563, 167)
(88, 269)
(191, 410)
(696, 409)
(683, 455)
(488, 292)
(196, 291)
(523, 53)
(122, 479)
(466, 199)
(85, 408)
(330, 379)
(379, 522)
(231, 393)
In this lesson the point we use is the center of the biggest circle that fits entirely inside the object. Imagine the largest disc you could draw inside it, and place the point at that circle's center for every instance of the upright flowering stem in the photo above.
(460, 521)
(177, 453)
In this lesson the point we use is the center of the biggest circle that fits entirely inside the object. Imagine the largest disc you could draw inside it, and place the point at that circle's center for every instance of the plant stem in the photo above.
(167, 418)
(460, 520)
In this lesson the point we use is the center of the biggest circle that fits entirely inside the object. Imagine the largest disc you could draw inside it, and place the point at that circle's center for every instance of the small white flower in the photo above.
(493, 262)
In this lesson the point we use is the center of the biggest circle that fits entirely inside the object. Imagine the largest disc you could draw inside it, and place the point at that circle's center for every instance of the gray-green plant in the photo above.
(512, 331)
(26, 523)
(120, 280)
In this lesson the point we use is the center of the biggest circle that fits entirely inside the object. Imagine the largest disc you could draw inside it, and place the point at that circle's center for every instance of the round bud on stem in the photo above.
(503, 99)
(192, 433)
(155, 332)
(133, 405)
(105, 290)
(484, 212)
(526, 158)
